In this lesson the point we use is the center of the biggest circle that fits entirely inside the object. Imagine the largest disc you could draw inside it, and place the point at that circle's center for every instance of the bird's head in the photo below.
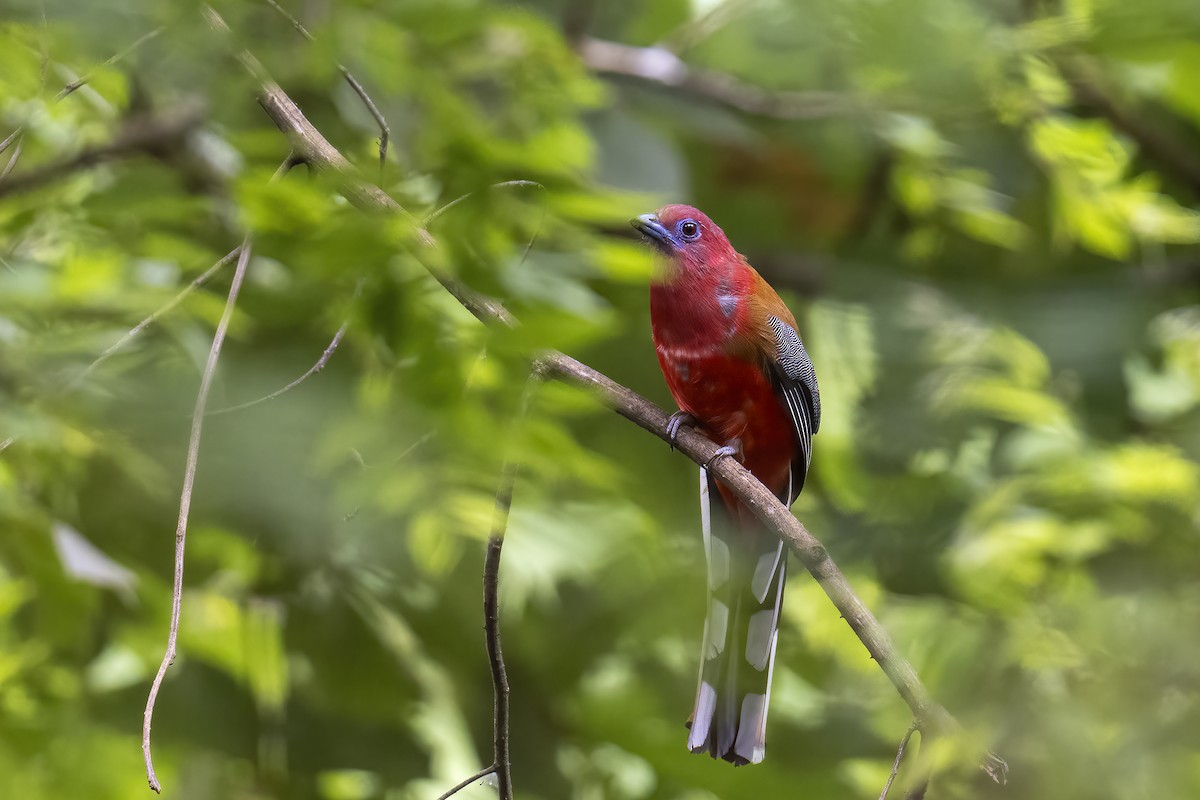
(690, 241)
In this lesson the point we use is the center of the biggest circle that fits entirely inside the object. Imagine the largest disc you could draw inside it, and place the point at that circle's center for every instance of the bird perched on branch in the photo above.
(736, 367)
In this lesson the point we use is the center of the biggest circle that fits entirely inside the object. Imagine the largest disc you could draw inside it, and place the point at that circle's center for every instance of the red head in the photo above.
(686, 236)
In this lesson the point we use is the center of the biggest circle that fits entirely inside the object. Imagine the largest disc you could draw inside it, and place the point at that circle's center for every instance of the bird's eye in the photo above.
(689, 230)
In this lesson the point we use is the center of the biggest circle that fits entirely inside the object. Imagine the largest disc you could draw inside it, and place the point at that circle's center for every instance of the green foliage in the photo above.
(990, 243)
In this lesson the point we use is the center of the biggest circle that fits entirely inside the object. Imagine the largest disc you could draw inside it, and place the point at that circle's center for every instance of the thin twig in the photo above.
(185, 496)
(478, 776)
(660, 66)
(12, 137)
(501, 762)
(12, 160)
(310, 145)
(384, 131)
(4, 445)
(899, 757)
(87, 76)
(185, 503)
(502, 185)
(491, 625)
(150, 320)
(77, 83)
(315, 368)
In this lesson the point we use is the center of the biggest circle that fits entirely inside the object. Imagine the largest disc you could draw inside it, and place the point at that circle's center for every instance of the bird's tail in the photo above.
(746, 573)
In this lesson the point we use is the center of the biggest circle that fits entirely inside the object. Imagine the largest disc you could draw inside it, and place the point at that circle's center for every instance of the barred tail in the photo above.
(746, 574)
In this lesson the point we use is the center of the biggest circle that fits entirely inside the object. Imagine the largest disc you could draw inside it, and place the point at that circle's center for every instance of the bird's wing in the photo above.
(796, 381)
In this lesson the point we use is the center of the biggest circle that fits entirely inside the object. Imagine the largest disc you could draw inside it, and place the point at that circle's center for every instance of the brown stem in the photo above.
(896, 764)
(478, 776)
(310, 145)
(491, 627)
(384, 131)
(185, 504)
(326, 354)
(185, 496)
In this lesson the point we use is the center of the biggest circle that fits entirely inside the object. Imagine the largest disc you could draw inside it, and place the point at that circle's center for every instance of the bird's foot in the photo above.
(724, 451)
(677, 421)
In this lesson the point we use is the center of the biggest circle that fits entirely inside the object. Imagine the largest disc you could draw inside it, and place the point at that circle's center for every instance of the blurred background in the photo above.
(981, 211)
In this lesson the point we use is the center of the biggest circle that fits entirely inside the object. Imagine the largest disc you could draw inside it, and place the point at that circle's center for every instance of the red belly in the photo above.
(736, 405)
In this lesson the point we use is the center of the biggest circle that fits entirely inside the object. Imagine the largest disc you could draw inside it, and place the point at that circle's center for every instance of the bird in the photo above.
(735, 365)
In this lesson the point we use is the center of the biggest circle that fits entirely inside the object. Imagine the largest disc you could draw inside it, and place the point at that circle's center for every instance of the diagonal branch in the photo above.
(776, 516)
(312, 147)
(12, 160)
(478, 776)
(202, 279)
(384, 130)
(899, 758)
(81, 81)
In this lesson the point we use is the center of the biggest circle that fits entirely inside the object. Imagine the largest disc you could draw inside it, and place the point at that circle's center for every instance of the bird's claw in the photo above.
(677, 421)
(724, 451)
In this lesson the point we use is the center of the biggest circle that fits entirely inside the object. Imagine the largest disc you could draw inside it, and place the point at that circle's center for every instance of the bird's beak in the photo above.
(649, 226)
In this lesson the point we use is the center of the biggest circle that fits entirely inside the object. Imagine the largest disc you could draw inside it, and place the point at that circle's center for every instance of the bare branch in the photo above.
(185, 503)
(12, 160)
(657, 65)
(185, 496)
(501, 765)
(147, 134)
(491, 626)
(315, 368)
(12, 137)
(384, 131)
(150, 320)
(79, 82)
(478, 776)
(310, 145)
(502, 185)
(899, 757)
(930, 716)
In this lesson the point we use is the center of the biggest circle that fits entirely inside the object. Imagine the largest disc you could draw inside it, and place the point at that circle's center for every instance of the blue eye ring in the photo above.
(689, 230)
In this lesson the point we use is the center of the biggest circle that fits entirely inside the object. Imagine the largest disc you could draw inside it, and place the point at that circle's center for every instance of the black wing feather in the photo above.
(796, 381)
